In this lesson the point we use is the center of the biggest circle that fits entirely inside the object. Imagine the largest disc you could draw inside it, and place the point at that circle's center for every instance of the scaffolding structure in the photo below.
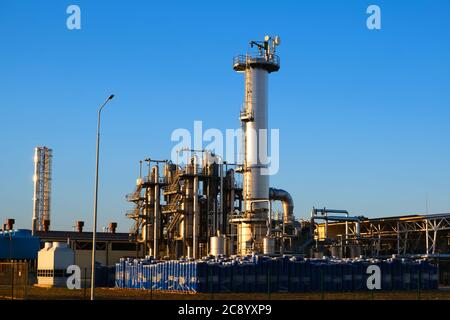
(177, 212)
(421, 235)
(42, 189)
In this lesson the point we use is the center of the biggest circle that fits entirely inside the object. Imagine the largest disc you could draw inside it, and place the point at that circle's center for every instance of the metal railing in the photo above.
(13, 280)
(246, 59)
(149, 179)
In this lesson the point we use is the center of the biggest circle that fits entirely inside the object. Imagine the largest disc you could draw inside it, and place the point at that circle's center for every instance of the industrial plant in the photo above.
(197, 219)
(200, 208)
(210, 225)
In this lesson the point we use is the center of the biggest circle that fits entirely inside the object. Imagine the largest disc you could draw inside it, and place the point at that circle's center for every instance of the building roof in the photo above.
(74, 235)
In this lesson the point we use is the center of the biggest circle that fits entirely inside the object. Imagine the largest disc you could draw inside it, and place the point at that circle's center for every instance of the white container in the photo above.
(268, 245)
(217, 245)
(53, 261)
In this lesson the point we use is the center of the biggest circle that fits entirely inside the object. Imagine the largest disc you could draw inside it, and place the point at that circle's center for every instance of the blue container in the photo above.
(358, 276)
(306, 276)
(316, 276)
(397, 274)
(283, 276)
(176, 284)
(425, 275)
(202, 274)
(194, 279)
(238, 278)
(338, 277)
(225, 278)
(434, 277)
(292, 276)
(406, 276)
(386, 276)
(273, 275)
(347, 277)
(415, 276)
(189, 276)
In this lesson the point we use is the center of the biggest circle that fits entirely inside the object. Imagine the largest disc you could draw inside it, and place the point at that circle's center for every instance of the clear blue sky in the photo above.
(363, 115)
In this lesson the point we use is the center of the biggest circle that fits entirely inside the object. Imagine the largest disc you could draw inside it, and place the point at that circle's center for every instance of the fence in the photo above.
(13, 280)
(273, 275)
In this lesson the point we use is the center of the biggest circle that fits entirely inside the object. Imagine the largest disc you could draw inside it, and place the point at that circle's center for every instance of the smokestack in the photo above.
(10, 224)
(42, 188)
(80, 225)
(113, 227)
(46, 225)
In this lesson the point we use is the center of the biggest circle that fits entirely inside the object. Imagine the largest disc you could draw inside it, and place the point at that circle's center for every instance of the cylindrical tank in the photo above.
(355, 251)
(79, 226)
(268, 245)
(10, 224)
(217, 245)
(358, 229)
(256, 184)
(245, 238)
(336, 252)
(169, 171)
(255, 121)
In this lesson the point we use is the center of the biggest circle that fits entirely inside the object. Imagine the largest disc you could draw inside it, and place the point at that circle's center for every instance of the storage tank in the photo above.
(355, 251)
(255, 118)
(336, 252)
(268, 245)
(217, 245)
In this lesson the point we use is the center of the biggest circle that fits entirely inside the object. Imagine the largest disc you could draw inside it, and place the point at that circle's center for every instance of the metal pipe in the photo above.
(36, 190)
(269, 220)
(325, 210)
(222, 194)
(358, 229)
(196, 219)
(337, 218)
(287, 202)
(36, 185)
(157, 219)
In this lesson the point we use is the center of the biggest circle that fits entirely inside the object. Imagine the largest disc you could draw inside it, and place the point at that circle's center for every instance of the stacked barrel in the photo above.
(266, 274)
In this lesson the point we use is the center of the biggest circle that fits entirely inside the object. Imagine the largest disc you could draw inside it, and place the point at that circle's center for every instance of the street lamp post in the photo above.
(94, 227)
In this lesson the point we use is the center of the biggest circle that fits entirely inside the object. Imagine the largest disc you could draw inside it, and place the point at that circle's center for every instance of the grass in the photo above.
(36, 293)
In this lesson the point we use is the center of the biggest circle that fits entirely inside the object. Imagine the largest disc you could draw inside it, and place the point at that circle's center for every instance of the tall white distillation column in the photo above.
(252, 223)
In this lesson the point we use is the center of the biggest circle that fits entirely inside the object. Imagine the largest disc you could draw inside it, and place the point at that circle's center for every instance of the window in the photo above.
(87, 245)
(58, 273)
(124, 246)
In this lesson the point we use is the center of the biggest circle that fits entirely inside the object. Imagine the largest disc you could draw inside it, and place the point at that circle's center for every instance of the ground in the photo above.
(35, 293)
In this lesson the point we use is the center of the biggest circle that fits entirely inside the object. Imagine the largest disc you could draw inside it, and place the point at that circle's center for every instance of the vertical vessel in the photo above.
(252, 223)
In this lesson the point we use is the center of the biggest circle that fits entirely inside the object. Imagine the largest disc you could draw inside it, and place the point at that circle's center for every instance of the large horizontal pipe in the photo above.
(329, 211)
(338, 218)
(287, 202)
